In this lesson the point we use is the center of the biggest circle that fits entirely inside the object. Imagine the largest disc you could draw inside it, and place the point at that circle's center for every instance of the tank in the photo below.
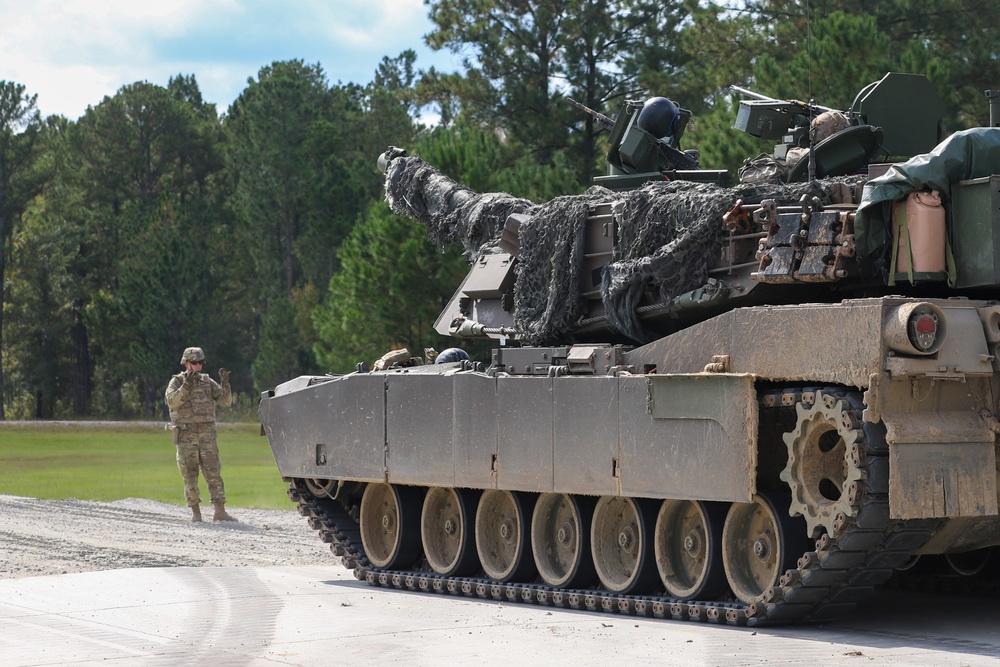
(746, 400)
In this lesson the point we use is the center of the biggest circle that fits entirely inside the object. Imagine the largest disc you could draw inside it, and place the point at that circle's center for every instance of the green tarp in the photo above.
(964, 155)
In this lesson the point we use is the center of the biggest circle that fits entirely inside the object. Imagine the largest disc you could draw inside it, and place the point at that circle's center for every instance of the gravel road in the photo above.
(39, 537)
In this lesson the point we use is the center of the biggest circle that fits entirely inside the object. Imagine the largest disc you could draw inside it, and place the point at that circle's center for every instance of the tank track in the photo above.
(827, 583)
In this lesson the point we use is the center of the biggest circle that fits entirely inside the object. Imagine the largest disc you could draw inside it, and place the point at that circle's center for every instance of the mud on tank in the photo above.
(749, 403)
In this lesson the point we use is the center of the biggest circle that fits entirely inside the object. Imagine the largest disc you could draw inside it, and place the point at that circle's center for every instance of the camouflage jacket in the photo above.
(195, 401)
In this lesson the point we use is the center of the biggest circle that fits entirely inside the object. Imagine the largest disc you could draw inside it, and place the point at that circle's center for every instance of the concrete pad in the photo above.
(257, 616)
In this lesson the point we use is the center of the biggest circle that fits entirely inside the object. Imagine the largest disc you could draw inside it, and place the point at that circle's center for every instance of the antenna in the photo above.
(809, 60)
(812, 101)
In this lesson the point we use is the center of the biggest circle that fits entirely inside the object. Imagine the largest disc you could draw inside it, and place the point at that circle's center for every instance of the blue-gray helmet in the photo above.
(451, 355)
(658, 117)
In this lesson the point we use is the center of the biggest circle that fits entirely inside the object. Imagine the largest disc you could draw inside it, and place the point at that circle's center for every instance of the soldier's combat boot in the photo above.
(195, 514)
(221, 514)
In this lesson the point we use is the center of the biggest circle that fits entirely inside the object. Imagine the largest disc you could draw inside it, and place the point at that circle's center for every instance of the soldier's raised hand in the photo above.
(224, 376)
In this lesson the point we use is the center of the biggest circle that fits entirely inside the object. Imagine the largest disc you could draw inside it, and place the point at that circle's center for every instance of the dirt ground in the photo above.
(40, 537)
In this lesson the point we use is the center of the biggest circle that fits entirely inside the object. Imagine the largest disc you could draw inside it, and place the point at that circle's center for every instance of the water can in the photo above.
(925, 242)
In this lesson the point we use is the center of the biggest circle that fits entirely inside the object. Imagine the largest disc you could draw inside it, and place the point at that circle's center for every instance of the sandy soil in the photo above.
(39, 537)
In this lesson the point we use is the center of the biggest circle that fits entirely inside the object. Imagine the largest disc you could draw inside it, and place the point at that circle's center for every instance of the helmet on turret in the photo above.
(826, 125)
(658, 117)
(451, 355)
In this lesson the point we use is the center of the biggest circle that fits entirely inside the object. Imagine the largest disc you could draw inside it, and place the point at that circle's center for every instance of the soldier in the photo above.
(191, 397)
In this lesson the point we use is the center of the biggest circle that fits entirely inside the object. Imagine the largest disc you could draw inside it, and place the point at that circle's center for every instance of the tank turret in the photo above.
(655, 248)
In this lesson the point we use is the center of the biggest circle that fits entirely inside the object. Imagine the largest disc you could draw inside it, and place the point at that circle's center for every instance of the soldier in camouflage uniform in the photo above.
(191, 397)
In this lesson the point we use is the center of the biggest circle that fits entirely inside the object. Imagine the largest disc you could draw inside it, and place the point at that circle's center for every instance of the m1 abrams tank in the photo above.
(748, 404)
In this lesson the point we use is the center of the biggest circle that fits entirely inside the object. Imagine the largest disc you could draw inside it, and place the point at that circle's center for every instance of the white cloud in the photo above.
(72, 54)
(373, 24)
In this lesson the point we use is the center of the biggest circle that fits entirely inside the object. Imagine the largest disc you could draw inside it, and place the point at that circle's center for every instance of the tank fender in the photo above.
(700, 422)
(328, 427)
(686, 436)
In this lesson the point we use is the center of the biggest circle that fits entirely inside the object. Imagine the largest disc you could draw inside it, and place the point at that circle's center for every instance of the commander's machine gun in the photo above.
(898, 116)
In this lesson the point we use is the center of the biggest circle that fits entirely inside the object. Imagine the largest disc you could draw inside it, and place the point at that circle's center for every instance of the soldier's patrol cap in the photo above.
(192, 354)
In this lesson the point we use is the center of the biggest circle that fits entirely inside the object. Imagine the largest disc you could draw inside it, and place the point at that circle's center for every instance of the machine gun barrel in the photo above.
(605, 122)
(764, 98)
(752, 95)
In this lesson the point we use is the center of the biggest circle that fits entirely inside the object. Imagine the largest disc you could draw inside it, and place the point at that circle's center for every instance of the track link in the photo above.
(843, 569)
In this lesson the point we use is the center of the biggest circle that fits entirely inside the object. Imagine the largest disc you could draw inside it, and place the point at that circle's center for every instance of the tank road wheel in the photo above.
(820, 468)
(973, 563)
(321, 488)
(447, 524)
(502, 528)
(687, 542)
(621, 543)
(560, 539)
(759, 543)
(390, 525)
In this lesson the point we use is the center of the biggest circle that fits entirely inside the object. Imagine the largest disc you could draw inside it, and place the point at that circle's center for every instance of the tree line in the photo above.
(156, 221)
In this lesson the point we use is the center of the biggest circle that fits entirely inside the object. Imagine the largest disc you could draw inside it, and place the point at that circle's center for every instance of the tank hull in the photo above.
(677, 432)
(703, 418)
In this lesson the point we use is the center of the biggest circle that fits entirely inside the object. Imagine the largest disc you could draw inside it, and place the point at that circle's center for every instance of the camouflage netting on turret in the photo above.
(452, 213)
(548, 300)
(668, 232)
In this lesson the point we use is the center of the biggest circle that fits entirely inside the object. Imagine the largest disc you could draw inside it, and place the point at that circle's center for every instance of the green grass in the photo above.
(111, 462)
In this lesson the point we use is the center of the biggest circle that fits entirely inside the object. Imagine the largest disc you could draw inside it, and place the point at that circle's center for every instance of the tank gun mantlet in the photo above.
(482, 306)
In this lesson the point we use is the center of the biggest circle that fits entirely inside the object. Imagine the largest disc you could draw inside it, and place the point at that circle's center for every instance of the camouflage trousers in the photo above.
(196, 448)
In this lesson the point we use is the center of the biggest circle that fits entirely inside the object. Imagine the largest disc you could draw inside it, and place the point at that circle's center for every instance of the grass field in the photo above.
(111, 462)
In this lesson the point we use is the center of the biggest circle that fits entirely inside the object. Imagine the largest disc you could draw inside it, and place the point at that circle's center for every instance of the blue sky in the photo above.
(72, 54)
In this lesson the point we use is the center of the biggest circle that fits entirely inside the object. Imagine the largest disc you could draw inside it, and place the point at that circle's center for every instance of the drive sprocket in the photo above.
(822, 459)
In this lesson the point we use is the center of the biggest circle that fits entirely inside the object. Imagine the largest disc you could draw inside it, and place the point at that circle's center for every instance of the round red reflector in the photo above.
(923, 331)
(925, 324)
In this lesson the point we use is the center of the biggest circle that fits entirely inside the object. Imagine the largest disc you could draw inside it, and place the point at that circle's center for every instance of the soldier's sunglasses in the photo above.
(197, 362)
